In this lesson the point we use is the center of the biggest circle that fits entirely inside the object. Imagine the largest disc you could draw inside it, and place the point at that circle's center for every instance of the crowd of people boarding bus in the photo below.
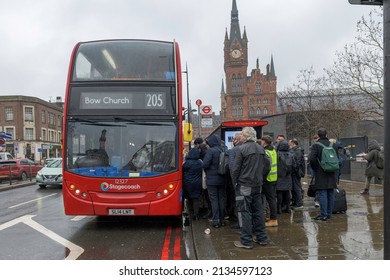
(263, 182)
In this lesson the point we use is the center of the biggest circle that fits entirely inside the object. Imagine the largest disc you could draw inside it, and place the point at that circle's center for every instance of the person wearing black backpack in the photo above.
(325, 182)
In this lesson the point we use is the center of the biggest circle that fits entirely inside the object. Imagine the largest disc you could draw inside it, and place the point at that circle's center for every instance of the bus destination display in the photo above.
(123, 100)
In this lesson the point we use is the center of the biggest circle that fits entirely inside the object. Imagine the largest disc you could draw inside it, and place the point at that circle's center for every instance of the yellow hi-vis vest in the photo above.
(273, 173)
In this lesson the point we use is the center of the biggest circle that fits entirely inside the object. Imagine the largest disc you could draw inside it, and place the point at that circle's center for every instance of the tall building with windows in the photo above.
(35, 126)
(246, 97)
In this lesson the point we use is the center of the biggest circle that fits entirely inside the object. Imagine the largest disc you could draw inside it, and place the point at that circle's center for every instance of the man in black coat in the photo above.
(298, 173)
(325, 182)
(250, 165)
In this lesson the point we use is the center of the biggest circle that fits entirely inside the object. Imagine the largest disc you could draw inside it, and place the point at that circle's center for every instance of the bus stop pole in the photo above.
(188, 108)
(386, 108)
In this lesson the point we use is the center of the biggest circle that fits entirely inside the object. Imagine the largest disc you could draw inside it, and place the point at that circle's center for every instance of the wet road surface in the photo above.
(33, 227)
(358, 234)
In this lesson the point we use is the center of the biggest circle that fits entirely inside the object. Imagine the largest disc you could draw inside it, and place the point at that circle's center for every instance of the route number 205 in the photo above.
(154, 100)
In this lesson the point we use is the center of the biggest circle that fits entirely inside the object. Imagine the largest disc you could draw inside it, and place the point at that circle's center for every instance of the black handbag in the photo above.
(311, 191)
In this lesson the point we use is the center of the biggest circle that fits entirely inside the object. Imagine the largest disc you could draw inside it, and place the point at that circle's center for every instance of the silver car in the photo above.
(51, 174)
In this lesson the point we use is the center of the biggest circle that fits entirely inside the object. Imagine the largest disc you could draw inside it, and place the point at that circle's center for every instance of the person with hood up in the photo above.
(284, 183)
(215, 182)
(192, 180)
(372, 169)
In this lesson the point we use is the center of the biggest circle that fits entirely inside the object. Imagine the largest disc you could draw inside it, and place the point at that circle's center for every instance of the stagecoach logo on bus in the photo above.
(105, 187)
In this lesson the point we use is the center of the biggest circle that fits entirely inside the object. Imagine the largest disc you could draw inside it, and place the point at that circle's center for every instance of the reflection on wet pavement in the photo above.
(357, 234)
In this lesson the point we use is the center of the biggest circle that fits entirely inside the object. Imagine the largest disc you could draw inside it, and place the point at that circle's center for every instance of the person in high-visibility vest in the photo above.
(269, 184)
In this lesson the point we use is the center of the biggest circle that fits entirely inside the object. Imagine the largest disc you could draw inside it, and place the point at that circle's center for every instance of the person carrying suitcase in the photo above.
(325, 179)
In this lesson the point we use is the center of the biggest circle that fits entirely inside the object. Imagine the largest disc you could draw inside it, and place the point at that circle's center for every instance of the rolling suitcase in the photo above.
(340, 201)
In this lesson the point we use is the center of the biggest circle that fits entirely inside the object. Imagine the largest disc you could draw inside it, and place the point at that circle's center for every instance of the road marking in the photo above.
(166, 250)
(78, 218)
(17, 205)
(176, 248)
(74, 250)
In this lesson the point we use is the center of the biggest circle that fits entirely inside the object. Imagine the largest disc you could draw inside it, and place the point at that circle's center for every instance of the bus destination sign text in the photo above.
(123, 100)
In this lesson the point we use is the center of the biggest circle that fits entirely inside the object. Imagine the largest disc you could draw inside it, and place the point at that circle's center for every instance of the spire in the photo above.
(244, 35)
(234, 9)
(234, 24)
(272, 70)
(223, 88)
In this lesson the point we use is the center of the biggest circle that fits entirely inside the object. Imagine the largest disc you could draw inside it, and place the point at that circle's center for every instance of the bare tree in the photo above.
(313, 102)
(358, 69)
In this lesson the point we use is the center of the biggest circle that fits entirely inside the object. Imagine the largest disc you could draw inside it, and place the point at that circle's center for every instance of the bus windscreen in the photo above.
(127, 60)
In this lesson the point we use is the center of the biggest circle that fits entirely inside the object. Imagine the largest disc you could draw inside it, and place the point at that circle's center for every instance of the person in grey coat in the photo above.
(372, 169)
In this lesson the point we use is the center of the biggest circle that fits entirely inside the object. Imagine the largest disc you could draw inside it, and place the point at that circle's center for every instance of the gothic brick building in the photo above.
(246, 97)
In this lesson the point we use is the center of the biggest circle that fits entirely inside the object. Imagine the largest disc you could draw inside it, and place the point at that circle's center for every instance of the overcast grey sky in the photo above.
(37, 37)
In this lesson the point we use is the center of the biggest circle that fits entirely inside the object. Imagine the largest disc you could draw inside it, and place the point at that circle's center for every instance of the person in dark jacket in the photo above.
(269, 184)
(250, 165)
(284, 183)
(215, 182)
(325, 182)
(192, 180)
(372, 169)
(230, 192)
(297, 175)
(202, 148)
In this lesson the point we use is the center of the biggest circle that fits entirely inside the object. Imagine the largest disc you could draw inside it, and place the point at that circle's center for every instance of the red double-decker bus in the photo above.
(123, 136)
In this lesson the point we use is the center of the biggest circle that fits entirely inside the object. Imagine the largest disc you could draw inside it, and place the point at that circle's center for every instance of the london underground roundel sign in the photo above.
(206, 110)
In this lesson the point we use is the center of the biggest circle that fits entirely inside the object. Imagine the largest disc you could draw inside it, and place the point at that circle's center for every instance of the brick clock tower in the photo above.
(246, 97)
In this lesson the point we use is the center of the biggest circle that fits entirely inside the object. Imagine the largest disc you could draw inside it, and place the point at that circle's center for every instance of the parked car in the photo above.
(5, 156)
(19, 168)
(51, 174)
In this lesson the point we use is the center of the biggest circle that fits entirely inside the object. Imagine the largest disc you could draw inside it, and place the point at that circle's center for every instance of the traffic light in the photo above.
(366, 2)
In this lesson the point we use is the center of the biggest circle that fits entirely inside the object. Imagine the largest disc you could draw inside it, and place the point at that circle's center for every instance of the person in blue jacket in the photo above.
(192, 180)
(215, 182)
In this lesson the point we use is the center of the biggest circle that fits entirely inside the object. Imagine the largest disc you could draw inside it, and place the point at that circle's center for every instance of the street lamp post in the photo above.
(199, 103)
(188, 106)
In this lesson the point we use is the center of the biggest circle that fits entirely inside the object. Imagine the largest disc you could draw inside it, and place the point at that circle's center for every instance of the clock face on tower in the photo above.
(236, 53)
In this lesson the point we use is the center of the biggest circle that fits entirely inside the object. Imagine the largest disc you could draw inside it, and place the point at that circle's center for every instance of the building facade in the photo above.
(35, 126)
(246, 97)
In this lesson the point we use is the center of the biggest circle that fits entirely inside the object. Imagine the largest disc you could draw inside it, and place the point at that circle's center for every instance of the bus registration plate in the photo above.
(121, 211)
